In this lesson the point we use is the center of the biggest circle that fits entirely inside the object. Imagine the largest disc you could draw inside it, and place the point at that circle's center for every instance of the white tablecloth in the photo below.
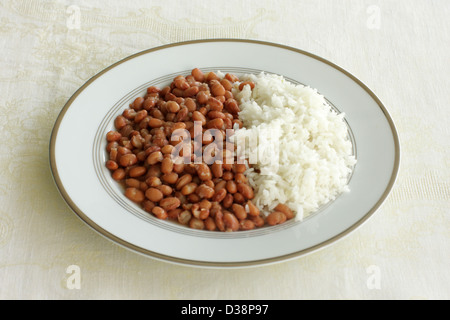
(400, 49)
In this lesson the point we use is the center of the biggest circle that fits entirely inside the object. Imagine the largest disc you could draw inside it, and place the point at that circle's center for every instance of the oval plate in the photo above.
(77, 155)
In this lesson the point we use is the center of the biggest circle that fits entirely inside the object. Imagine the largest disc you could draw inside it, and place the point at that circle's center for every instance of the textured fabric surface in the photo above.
(400, 49)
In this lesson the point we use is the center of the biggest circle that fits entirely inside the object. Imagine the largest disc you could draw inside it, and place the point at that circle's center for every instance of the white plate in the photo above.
(78, 143)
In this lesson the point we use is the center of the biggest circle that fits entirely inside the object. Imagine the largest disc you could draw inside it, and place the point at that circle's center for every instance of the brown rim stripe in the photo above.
(176, 260)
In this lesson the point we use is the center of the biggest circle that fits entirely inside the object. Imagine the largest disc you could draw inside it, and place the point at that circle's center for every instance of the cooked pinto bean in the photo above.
(159, 212)
(153, 181)
(202, 97)
(216, 123)
(134, 194)
(174, 214)
(113, 136)
(204, 191)
(167, 165)
(257, 220)
(240, 178)
(215, 104)
(141, 115)
(198, 116)
(232, 106)
(118, 174)
(276, 217)
(239, 168)
(198, 75)
(245, 190)
(154, 194)
(220, 185)
(285, 209)
(217, 89)
(246, 225)
(131, 182)
(228, 201)
(216, 115)
(219, 195)
(137, 171)
(231, 77)
(239, 211)
(231, 186)
(190, 92)
(196, 223)
(155, 157)
(250, 83)
(212, 76)
(189, 188)
(227, 84)
(252, 209)
(199, 212)
(170, 203)
(230, 221)
(112, 165)
(155, 123)
(120, 122)
(183, 180)
(184, 217)
(170, 178)
(148, 205)
(210, 224)
(165, 189)
(128, 160)
(203, 171)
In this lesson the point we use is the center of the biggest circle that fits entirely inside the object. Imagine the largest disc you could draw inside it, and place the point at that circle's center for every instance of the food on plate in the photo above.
(219, 152)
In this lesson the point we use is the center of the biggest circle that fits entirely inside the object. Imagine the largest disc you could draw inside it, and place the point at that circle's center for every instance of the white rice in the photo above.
(299, 145)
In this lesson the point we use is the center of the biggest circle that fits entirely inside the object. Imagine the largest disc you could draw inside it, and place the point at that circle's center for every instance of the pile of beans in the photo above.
(201, 196)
